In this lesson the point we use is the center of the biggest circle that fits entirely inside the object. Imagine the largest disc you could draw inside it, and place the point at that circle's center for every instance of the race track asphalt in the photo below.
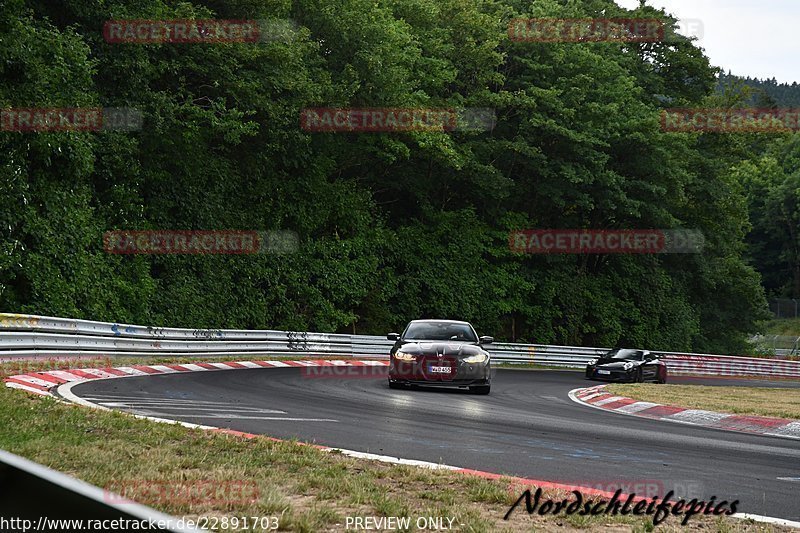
(527, 427)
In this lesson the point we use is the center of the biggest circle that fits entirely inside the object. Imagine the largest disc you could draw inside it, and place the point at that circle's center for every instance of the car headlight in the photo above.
(628, 366)
(593, 362)
(477, 358)
(402, 356)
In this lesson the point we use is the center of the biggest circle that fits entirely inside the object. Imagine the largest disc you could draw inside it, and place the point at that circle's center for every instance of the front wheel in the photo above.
(480, 389)
(639, 377)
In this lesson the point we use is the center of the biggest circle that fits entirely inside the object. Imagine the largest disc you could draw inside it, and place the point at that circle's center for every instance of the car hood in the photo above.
(615, 364)
(454, 348)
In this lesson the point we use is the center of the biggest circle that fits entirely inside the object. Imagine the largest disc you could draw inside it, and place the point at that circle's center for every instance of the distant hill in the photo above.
(766, 93)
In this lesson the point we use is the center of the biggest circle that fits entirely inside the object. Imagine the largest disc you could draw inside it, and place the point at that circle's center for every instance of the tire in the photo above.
(639, 377)
(480, 389)
(663, 380)
(395, 385)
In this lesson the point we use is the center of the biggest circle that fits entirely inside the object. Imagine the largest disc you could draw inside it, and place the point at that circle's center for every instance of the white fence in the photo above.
(40, 336)
(780, 345)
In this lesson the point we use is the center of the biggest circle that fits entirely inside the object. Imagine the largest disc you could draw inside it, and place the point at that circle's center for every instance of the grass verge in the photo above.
(783, 326)
(304, 488)
(758, 401)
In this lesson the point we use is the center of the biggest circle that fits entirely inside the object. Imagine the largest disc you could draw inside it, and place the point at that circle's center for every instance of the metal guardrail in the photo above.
(38, 336)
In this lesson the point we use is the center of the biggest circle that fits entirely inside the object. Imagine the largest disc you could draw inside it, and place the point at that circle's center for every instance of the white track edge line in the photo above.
(767, 519)
(574, 398)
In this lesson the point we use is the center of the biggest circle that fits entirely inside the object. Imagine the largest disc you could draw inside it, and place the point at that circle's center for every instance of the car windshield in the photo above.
(630, 355)
(439, 331)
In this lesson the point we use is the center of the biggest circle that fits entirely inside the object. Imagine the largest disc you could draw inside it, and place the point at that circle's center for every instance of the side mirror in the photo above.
(393, 336)
(486, 340)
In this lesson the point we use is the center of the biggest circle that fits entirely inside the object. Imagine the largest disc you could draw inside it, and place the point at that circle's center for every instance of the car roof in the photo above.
(441, 320)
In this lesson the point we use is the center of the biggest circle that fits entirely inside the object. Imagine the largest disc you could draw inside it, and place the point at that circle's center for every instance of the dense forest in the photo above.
(771, 180)
(764, 93)
(391, 226)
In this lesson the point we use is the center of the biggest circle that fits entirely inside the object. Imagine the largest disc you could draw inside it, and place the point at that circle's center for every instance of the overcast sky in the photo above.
(756, 38)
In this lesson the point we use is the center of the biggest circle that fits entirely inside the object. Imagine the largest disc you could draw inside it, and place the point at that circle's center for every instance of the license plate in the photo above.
(604, 372)
(440, 369)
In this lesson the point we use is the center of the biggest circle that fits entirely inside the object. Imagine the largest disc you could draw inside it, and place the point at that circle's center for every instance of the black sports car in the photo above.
(442, 353)
(628, 365)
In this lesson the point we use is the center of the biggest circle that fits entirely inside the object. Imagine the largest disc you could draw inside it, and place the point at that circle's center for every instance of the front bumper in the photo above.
(423, 372)
(454, 383)
(613, 375)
